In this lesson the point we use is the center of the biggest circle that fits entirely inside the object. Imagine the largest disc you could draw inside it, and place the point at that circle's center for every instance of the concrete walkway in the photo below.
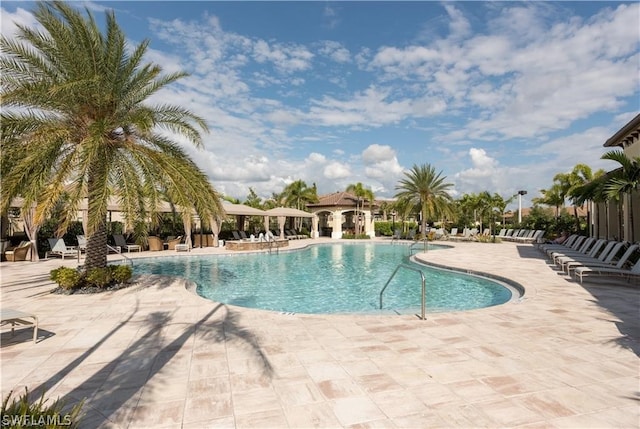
(156, 355)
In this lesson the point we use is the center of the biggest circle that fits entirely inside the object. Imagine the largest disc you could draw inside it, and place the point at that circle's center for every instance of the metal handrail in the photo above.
(426, 245)
(119, 252)
(408, 267)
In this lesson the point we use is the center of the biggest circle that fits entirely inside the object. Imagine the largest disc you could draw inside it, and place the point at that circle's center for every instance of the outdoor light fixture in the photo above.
(520, 194)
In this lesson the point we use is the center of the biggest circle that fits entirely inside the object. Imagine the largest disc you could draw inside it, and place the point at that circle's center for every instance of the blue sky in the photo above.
(499, 96)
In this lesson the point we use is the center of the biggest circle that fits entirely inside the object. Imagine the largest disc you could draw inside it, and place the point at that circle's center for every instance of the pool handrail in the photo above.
(118, 251)
(408, 267)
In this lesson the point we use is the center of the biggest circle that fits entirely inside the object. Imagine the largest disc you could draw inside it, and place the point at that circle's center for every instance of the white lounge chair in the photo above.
(533, 237)
(576, 247)
(591, 253)
(599, 269)
(606, 257)
(122, 243)
(59, 248)
(82, 243)
(20, 318)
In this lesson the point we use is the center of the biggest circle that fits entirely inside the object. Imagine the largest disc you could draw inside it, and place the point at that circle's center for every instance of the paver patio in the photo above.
(156, 355)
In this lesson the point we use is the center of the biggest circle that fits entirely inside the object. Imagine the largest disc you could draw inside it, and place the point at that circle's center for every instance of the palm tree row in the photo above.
(582, 185)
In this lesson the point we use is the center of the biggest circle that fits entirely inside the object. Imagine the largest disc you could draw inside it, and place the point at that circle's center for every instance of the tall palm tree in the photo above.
(624, 181)
(359, 191)
(426, 190)
(297, 194)
(369, 196)
(554, 197)
(76, 118)
(569, 182)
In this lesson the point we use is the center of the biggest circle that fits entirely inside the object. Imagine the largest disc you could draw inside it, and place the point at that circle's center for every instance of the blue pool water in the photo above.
(328, 278)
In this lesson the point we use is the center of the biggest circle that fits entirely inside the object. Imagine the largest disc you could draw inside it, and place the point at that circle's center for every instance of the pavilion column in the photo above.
(337, 224)
(315, 233)
(368, 222)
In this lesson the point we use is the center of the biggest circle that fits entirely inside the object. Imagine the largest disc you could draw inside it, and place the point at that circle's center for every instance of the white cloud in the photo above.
(337, 170)
(287, 58)
(11, 20)
(335, 51)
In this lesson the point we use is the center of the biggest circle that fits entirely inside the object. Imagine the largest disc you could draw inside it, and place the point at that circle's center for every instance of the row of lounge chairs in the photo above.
(289, 234)
(582, 257)
(522, 235)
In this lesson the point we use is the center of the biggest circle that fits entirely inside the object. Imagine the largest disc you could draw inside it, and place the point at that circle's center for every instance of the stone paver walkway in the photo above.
(156, 355)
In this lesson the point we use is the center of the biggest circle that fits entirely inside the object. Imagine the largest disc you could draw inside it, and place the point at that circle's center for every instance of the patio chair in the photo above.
(59, 248)
(609, 271)
(15, 317)
(535, 237)
(155, 243)
(122, 243)
(243, 235)
(606, 257)
(236, 235)
(412, 234)
(597, 268)
(171, 244)
(82, 243)
(18, 253)
(290, 235)
(593, 252)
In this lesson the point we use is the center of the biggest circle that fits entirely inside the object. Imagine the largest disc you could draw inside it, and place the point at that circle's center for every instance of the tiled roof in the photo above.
(335, 199)
(582, 211)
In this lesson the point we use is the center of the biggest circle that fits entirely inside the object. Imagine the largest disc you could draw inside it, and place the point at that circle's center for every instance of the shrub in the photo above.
(67, 278)
(24, 412)
(99, 277)
(354, 236)
(121, 273)
(384, 228)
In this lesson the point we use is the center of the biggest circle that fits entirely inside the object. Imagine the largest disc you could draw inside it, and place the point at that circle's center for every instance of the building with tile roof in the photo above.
(342, 212)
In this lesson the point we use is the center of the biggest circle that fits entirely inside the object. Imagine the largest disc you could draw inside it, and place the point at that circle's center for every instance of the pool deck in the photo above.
(157, 356)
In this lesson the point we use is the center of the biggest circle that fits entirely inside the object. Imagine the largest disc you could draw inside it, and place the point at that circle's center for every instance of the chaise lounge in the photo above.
(20, 318)
(122, 243)
(59, 248)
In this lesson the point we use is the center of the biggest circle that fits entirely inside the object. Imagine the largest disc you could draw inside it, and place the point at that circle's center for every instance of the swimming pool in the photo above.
(328, 278)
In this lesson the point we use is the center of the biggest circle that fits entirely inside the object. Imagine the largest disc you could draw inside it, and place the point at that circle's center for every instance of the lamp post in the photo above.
(520, 194)
(393, 216)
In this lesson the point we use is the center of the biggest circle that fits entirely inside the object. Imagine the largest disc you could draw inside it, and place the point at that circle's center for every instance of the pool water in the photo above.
(328, 278)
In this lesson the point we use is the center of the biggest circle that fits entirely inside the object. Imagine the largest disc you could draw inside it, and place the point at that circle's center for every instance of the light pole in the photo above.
(520, 194)
(393, 216)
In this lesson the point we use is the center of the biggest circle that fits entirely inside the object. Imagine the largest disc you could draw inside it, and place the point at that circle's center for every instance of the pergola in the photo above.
(282, 213)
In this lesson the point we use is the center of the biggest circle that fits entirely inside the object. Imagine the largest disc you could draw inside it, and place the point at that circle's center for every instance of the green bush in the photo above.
(384, 228)
(67, 278)
(354, 236)
(24, 412)
(99, 277)
(121, 273)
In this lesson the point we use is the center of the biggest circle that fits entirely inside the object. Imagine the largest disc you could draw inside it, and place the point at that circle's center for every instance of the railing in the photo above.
(408, 267)
(413, 245)
(118, 250)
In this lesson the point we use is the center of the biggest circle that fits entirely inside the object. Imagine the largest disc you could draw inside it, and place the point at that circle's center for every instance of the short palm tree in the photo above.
(553, 197)
(76, 120)
(624, 181)
(426, 190)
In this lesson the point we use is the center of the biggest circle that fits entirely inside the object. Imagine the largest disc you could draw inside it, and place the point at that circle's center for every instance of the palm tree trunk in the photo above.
(575, 213)
(97, 248)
